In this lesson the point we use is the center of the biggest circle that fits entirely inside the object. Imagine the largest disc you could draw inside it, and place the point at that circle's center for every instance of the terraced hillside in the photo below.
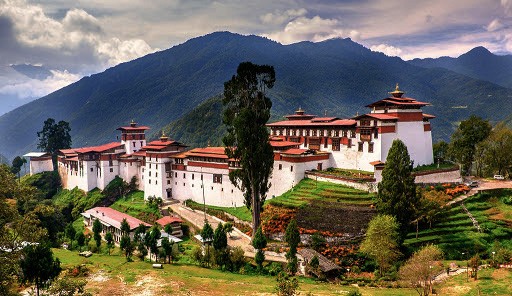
(455, 232)
(325, 206)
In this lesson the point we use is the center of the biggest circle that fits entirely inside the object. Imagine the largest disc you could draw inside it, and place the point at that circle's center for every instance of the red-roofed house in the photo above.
(175, 223)
(111, 221)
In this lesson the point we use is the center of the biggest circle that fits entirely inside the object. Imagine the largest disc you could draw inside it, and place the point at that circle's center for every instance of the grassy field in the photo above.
(455, 233)
(434, 166)
(490, 282)
(241, 213)
(309, 191)
(112, 275)
(134, 205)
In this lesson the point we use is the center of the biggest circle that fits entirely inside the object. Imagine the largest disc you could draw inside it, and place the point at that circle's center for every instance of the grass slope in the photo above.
(134, 205)
(455, 233)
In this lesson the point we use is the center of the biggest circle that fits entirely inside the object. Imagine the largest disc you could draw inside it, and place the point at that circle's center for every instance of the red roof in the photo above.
(168, 220)
(337, 122)
(377, 162)
(114, 218)
(139, 153)
(398, 101)
(283, 143)
(132, 128)
(323, 119)
(101, 148)
(380, 116)
(429, 116)
(295, 151)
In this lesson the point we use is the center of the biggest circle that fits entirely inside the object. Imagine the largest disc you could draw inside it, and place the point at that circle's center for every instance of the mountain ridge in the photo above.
(336, 75)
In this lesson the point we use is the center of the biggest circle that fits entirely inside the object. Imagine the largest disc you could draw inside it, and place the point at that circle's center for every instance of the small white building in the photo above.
(39, 162)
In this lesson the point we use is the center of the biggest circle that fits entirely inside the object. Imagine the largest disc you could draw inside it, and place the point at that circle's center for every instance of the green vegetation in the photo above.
(455, 234)
(241, 213)
(356, 174)
(48, 183)
(309, 190)
(434, 167)
(134, 205)
(78, 199)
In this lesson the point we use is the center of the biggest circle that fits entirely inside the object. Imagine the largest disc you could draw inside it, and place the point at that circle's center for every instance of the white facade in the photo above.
(39, 162)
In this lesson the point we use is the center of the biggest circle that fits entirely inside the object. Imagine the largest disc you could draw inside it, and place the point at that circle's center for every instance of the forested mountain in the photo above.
(336, 76)
(478, 63)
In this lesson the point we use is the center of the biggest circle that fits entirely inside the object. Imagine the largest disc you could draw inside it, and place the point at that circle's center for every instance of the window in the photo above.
(192, 176)
(150, 164)
(149, 181)
(376, 133)
(168, 182)
(110, 163)
(133, 144)
(184, 176)
(217, 178)
(360, 146)
(336, 144)
(344, 133)
(141, 143)
(156, 182)
(150, 173)
(92, 170)
(352, 134)
(280, 166)
(370, 147)
(156, 166)
(291, 168)
(156, 175)
(326, 143)
(111, 170)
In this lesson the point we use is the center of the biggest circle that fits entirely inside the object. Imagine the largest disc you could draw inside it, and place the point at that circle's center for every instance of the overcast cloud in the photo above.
(77, 38)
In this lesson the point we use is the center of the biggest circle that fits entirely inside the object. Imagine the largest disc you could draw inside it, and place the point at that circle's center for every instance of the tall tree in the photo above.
(464, 140)
(381, 241)
(54, 136)
(96, 229)
(17, 163)
(125, 227)
(259, 242)
(80, 240)
(39, 266)
(207, 235)
(247, 110)
(70, 232)
(397, 191)
(110, 241)
(496, 148)
(421, 268)
(292, 237)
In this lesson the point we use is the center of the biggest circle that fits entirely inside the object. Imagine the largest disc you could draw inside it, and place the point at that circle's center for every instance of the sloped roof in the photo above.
(336, 122)
(101, 148)
(112, 217)
(168, 219)
(325, 264)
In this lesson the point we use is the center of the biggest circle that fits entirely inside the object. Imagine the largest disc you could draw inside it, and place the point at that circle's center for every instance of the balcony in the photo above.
(365, 138)
(179, 167)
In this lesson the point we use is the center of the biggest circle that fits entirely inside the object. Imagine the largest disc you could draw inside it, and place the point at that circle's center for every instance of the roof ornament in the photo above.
(208, 143)
(300, 111)
(397, 93)
(325, 112)
(164, 138)
(133, 123)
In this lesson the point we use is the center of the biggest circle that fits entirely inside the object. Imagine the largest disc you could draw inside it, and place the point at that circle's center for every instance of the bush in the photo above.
(354, 293)
(274, 268)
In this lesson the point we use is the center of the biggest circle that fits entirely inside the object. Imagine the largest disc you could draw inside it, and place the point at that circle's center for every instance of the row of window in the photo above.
(313, 133)
(281, 167)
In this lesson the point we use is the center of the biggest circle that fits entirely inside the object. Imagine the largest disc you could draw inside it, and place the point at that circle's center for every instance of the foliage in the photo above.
(432, 204)
(317, 241)
(80, 239)
(96, 229)
(441, 151)
(70, 233)
(397, 191)
(463, 142)
(474, 263)
(126, 245)
(48, 183)
(495, 150)
(220, 239)
(68, 287)
(125, 227)
(167, 248)
(151, 240)
(51, 219)
(38, 265)
(110, 241)
(421, 268)
(247, 110)
(381, 243)
(17, 163)
(286, 286)
(292, 237)
(259, 242)
(54, 136)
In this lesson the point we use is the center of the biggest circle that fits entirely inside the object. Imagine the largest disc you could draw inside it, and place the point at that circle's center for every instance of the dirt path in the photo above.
(236, 239)
(482, 186)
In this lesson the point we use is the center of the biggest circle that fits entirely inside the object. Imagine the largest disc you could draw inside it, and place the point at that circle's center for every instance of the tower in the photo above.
(133, 137)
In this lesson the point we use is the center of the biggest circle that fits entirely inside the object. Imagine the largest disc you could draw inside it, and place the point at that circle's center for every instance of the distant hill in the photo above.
(336, 76)
(478, 63)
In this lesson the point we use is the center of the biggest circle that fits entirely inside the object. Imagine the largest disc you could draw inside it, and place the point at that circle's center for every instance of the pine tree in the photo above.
(292, 237)
(259, 242)
(397, 191)
(247, 111)
(96, 229)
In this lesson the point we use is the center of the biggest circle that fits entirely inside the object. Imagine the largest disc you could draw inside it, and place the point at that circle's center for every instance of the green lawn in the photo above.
(134, 205)
(241, 213)
(454, 232)
(184, 279)
(433, 167)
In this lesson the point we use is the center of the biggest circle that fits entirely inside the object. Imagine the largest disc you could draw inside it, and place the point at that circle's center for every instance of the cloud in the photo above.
(76, 38)
(507, 6)
(494, 25)
(278, 18)
(34, 88)
(312, 29)
(388, 50)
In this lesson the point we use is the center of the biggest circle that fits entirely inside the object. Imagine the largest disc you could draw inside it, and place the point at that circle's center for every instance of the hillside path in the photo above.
(483, 185)
(236, 239)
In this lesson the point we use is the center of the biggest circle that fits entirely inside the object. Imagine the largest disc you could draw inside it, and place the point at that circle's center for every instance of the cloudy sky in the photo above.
(70, 39)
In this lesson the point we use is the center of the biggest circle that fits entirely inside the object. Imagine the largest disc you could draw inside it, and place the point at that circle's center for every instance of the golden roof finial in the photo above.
(163, 138)
(163, 133)
(133, 123)
(208, 143)
(397, 93)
